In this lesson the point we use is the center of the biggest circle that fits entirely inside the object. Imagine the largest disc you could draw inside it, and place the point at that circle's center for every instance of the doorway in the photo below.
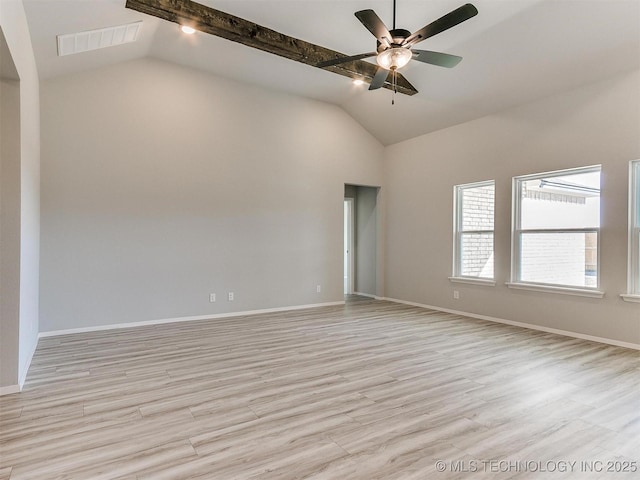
(361, 248)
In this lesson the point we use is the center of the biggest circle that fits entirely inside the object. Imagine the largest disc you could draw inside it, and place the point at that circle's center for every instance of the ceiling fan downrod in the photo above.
(394, 14)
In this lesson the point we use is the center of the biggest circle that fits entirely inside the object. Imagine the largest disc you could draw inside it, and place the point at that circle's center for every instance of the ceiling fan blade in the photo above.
(376, 26)
(436, 58)
(449, 20)
(350, 58)
(379, 79)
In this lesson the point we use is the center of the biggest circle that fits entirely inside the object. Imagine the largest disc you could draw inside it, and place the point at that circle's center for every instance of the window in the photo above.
(556, 229)
(634, 232)
(473, 230)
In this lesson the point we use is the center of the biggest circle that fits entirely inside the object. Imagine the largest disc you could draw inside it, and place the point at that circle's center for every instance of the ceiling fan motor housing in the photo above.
(398, 35)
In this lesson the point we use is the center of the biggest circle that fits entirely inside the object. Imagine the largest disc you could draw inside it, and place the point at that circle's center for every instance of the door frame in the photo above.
(350, 225)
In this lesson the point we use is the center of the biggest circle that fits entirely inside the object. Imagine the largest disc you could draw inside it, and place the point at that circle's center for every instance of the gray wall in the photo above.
(14, 29)
(596, 124)
(162, 185)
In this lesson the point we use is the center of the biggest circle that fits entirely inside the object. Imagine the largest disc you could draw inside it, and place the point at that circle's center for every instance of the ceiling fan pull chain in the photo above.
(393, 86)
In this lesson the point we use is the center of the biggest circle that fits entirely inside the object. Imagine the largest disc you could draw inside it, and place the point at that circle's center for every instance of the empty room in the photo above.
(319, 239)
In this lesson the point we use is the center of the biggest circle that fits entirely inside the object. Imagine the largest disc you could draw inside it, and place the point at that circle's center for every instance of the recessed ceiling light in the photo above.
(188, 30)
(358, 82)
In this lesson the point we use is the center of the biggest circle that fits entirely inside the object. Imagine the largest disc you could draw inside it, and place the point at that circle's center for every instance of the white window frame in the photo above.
(457, 277)
(517, 231)
(633, 269)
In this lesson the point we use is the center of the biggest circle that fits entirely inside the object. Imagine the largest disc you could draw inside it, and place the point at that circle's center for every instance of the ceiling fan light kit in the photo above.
(394, 58)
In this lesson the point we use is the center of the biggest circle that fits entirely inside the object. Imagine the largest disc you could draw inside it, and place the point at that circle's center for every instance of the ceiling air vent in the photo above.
(94, 39)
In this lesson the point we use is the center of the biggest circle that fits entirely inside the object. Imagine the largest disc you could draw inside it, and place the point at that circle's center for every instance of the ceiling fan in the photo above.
(395, 47)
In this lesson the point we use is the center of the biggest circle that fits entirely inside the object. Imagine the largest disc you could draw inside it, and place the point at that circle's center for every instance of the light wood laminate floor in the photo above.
(371, 390)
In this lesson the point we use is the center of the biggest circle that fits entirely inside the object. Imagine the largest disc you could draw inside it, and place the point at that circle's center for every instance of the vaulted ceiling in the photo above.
(514, 51)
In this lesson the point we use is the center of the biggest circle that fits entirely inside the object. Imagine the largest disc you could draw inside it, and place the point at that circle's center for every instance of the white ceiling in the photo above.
(515, 51)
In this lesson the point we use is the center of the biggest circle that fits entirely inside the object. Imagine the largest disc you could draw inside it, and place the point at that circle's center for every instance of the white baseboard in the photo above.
(9, 389)
(375, 297)
(97, 328)
(25, 370)
(530, 326)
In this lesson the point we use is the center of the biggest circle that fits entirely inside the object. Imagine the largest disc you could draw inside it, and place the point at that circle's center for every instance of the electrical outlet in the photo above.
(230, 296)
(456, 294)
(318, 288)
(212, 297)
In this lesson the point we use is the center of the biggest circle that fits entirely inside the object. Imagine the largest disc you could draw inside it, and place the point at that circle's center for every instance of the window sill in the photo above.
(580, 292)
(473, 281)
(631, 297)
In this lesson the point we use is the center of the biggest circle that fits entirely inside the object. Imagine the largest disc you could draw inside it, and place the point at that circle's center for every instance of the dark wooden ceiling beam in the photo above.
(236, 29)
